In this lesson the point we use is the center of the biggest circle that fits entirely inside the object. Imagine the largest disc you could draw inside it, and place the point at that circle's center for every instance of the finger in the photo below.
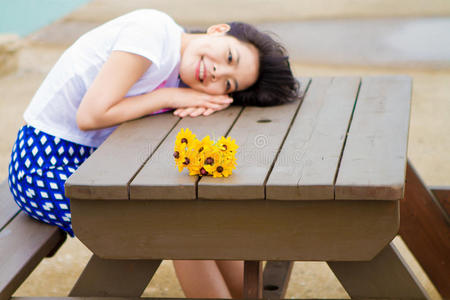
(222, 106)
(222, 99)
(211, 110)
(214, 106)
(208, 112)
(177, 111)
(197, 112)
(187, 111)
(180, 110)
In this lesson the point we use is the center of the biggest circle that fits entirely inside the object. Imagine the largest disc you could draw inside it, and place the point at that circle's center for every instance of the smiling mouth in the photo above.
(201, 72)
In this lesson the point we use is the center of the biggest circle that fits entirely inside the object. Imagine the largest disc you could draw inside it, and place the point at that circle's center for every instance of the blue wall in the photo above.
(25, 16)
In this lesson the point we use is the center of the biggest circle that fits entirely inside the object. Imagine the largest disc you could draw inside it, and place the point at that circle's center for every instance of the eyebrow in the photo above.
(236, 85)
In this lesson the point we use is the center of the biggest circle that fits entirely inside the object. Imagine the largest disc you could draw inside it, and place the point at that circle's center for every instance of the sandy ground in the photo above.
(429, 139)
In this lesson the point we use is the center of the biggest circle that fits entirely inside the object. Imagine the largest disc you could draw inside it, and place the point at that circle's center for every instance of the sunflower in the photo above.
(204, 157)
(217, 163)
(200, 155)
(223, 169)
(230, 160)
(184, 137)
(195, 157)
(227, 145)
(178, 153)
(182, 158)
(206, 142)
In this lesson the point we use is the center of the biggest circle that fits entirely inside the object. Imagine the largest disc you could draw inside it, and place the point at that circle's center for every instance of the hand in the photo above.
(189, 98)
(196, 111)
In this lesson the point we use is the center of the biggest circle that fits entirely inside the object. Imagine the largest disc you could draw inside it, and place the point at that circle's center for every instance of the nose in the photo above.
(213, 74)
(220, 71)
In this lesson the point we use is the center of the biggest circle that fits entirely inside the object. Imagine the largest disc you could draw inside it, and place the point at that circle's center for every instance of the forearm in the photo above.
(128, 108)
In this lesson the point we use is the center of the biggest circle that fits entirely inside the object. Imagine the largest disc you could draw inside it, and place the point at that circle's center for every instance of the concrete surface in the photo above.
(417, 43)
(429, 140)
(10, 45)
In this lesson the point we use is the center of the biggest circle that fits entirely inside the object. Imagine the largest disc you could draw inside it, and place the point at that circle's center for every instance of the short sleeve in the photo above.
(144, 33)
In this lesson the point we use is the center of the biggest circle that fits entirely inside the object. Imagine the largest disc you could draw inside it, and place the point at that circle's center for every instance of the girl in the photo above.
(131, 67)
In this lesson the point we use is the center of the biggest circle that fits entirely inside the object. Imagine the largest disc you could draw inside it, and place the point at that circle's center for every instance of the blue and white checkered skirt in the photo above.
(40, 164)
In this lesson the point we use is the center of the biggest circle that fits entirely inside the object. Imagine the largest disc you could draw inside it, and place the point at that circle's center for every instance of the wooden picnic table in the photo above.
(318, 179)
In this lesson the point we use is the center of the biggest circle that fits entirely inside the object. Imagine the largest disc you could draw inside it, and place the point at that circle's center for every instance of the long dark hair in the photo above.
(276, 83)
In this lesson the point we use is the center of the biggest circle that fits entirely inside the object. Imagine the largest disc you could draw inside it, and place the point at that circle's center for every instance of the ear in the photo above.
(218, 29)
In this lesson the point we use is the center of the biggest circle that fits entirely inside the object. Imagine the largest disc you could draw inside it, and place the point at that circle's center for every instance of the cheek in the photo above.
(187, 68)
(251, 76)
(215, 88)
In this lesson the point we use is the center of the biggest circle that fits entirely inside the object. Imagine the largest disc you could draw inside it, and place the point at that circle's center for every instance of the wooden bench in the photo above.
(425, 228)
(24, 242)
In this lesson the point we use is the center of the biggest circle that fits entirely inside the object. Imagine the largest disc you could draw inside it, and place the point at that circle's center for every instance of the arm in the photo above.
(98, 108)
(105, 105)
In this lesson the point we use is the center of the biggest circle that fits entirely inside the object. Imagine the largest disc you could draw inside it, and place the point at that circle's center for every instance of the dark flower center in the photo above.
(209, 161)
(225, 146)
(219, 169)
(203, 171)
(184, 140)
(186, 161)
(200, 150)
(176, 154)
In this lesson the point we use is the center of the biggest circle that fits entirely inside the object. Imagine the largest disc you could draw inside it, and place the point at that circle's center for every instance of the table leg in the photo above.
(386, 276)
(116, 278)
(252, 279)
(276, 278)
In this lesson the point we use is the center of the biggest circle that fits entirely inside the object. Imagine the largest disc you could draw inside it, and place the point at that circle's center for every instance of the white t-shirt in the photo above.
(149, 33)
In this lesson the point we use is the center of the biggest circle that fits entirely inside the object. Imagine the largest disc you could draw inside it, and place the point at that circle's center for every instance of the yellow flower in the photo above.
(185, 137)
(206, 142)
(194, 158)
(196, 155)
(217, 163)
(204, 157)
(178, 153)
(227, 145)
(223, 170)
(229, 163)
(183, 160)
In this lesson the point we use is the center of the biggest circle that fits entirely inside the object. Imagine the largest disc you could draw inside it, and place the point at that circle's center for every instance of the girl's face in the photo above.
(217, 63)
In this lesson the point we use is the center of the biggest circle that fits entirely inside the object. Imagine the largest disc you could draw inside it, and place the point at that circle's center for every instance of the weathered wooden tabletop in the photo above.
(316, 179)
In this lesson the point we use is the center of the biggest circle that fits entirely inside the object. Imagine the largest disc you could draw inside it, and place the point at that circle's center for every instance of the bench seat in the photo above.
(24, 242)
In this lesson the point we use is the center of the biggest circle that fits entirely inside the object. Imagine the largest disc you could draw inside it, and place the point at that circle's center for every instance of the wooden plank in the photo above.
(308, 162)
(253, 280)
(118, 278)
(386, 276)
(374, 160)
(236, 230)
(276, 279)
(160, 178)
(8, 207)
(425, 231)
(23, 244)
(259, 132)
(442, 194)
(107, 172)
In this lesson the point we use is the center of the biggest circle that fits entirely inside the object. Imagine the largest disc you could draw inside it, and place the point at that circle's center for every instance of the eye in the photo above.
(230, 56)
(228, 86)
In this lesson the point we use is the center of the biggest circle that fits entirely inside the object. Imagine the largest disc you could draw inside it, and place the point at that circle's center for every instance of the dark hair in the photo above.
(276, 83)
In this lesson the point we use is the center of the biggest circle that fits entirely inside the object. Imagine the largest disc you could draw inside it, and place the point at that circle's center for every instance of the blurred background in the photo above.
(323, 38)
